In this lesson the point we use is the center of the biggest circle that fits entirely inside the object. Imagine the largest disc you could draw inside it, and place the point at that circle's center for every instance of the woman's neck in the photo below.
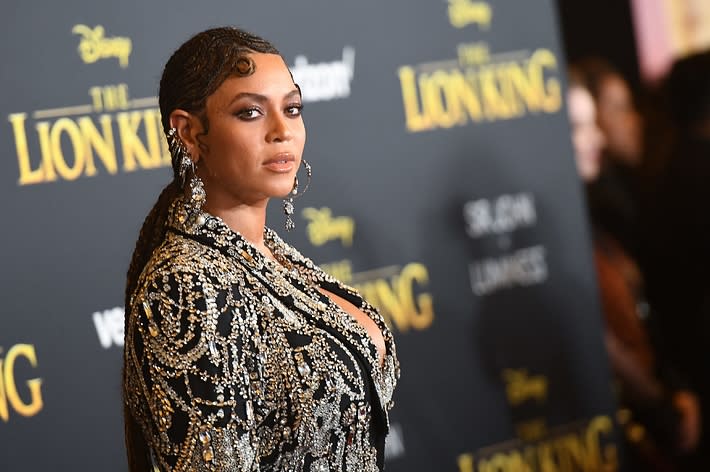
(247, 220)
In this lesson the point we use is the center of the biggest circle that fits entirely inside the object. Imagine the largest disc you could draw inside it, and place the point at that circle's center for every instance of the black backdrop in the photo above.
(444, 188)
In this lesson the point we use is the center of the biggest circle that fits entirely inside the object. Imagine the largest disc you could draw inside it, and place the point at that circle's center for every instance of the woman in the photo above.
(668, 417)
(616, 195)
(587, 138)
(240, 353)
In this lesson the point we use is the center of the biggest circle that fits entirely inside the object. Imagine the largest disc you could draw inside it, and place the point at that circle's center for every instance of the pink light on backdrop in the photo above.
(653, 37)
(667, 29)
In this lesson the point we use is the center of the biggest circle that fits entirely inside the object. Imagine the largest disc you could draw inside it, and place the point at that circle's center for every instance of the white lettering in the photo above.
(326, 80)
(501, 215)
(109, 326)
(523, 268)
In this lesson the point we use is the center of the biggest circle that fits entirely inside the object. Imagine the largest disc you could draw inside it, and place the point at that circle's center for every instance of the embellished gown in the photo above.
(238, 363)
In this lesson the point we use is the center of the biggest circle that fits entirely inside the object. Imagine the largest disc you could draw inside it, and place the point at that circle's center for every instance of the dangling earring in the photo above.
(198, 197)
(288, 202)
(181, 157)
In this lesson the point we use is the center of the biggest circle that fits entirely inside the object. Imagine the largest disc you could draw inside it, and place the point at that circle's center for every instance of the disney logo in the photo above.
(520, 386)
(323, 227)
(466, 12)
(94, 45)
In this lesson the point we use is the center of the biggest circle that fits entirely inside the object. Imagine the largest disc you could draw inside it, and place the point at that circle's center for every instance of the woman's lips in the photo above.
(281, 163)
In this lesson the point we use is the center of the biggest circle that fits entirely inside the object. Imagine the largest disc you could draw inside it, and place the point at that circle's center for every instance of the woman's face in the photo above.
(619, 120)
(256, 135)
(587, 138)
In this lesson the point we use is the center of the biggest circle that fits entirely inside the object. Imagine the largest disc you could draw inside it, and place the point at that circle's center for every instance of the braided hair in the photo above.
(193, 73)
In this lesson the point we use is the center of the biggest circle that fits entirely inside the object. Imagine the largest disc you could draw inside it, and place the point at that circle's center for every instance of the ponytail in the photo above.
(151, 235)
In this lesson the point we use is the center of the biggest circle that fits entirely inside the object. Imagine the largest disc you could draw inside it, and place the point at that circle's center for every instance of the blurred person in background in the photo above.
(666, 417)
(615, 196)
(678, 223)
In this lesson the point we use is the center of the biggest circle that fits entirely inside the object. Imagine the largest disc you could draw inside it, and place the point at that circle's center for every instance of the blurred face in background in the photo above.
(587, 138)
(619, 120)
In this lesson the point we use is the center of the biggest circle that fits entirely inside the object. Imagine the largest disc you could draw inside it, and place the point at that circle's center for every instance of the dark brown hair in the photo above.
(686, 91)
(193, 73)
(575, 78)
(592, 72)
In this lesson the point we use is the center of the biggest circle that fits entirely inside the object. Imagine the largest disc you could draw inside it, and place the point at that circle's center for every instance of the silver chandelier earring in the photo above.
(288, 202)
(181, 156)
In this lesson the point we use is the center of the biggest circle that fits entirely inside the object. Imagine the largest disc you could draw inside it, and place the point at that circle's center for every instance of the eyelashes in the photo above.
(251, 113)
(248, 114)
(295, 109)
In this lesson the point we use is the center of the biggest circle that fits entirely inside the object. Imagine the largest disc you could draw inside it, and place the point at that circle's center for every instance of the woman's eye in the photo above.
(294, 110)
(248, 113)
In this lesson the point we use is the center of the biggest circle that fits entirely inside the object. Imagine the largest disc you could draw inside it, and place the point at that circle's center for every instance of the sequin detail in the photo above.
(238, 363)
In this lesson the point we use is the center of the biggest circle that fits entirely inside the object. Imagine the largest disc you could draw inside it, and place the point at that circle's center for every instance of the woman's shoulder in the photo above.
(180, 254)
(182, 259)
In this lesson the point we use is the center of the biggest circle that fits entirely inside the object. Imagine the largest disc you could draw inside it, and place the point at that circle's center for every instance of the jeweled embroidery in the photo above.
(237, 363)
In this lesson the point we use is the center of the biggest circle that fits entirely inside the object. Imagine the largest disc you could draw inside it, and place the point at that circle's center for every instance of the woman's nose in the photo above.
(279, 129)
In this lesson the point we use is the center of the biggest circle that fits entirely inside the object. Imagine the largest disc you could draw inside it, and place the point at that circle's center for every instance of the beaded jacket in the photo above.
(235, 362)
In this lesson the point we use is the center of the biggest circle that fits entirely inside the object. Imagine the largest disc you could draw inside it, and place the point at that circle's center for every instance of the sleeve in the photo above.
(191, 343)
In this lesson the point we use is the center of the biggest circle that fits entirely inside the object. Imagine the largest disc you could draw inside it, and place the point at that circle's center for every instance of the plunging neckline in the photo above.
(290, 264)
(378, 340)
(380, 347)
(283, 264)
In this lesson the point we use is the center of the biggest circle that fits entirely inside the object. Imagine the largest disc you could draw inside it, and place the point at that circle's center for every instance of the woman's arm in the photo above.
(189, 346)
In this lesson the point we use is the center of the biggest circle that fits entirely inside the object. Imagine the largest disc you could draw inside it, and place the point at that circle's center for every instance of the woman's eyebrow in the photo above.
(254, 96)
(257, 97)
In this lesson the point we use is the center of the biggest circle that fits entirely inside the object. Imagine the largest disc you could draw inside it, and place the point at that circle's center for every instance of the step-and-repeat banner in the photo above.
(443, 188)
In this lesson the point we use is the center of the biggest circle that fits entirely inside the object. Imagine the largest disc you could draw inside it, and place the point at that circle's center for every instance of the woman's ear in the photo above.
(187, 127)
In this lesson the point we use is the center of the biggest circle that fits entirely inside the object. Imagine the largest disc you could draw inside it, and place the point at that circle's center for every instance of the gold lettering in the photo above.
(501, 91)
(96, 102)
(395, 298)
(442, 100)
(469, 98)
(552, 93)
(520, 386)
(421, 317)
(466, 12)
(493, 104)
(135, 153)
(8, 386)
(153, 134)
(27, 174)
(531, 430)
(45, 147)
(502, 462)
(473, 54)
(416, 119)
(392, 304)
(545, 459)
(94, 46)
(69, 147)
(578, 451)
(4, 408)
(109, 97)
(101, 143)
(465, 463)
(526, 86)
(67, 172)
(601, 425)
(166, 158)
(575, 454)
(323, 227)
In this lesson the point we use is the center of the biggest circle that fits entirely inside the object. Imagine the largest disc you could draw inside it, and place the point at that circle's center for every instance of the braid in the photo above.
(200, 66)
(192, 74)
(151, 235)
